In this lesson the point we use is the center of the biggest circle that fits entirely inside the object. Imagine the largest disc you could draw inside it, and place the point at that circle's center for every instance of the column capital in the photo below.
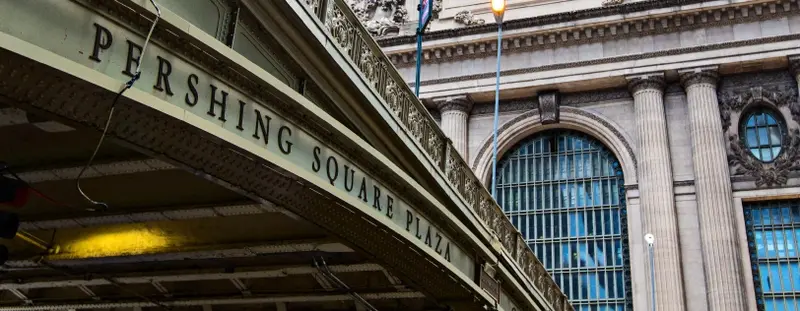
(649, 81)
(449, 103)
(700, 75)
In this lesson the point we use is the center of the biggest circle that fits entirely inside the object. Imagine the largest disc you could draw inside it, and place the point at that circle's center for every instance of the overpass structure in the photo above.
(268, 156)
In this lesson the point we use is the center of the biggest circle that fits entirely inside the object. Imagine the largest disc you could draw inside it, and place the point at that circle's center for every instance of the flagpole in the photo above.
(422, 7)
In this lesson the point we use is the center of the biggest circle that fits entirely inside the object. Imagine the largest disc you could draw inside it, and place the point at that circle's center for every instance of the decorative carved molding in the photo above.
(612, 2)
(534, 112)
(459, 103)
(646, 82)
(506, 106)
(548, 107)
(343, 28)
(775, 173)
(380, 17)
(608, 60)
(699, 76)
(467, 18)
(627, 8)
(794, 65)
(676, 22)
(735, 102)
(585, 98)
(437, 8)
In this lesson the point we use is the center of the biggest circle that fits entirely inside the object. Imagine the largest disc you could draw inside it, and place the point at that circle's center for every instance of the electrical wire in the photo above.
(125, 87)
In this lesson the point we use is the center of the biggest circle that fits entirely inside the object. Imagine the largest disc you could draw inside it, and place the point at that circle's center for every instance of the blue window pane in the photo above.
(773, 242)
(762, 134)
(571, 216)
(752, 141)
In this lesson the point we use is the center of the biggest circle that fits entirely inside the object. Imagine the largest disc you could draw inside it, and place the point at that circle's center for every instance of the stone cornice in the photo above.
(705, 75)
(626, 8)
(623, 58)
(646, 82)
(593, 33)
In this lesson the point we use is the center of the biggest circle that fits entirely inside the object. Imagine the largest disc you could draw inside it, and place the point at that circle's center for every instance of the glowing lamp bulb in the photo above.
(498, 6)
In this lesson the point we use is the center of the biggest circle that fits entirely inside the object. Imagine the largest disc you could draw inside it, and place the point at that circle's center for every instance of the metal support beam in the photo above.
(15, 116)
(219, 301)
(97, 170)
(175, 255)
(155, 279)
(179, 213)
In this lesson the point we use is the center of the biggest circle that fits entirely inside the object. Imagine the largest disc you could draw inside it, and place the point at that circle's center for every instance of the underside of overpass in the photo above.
(168, 237)
(217, 184)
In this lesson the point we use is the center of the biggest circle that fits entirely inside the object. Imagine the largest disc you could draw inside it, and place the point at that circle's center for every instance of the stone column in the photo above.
(657, 198)
(718, 234)
(455, 114)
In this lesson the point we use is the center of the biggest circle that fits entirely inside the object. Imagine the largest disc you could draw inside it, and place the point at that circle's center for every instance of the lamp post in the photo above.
(499, 9)
(650, 239)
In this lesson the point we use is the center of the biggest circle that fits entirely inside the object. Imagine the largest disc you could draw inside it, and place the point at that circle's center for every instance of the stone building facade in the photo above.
(620, 118)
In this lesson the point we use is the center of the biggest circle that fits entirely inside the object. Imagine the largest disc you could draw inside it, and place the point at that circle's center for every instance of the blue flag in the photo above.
(426, 10)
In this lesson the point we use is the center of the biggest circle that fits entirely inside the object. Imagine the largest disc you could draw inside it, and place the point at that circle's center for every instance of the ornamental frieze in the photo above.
(589, 33)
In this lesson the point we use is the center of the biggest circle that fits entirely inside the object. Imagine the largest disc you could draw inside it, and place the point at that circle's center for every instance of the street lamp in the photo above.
(650, 239)
(499, 9)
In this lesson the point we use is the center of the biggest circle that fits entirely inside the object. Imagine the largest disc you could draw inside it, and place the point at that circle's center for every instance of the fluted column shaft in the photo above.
(721, 261)
(455, 115)
(655, 187)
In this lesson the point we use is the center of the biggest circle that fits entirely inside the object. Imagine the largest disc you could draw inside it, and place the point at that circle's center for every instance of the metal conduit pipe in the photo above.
(212, 302)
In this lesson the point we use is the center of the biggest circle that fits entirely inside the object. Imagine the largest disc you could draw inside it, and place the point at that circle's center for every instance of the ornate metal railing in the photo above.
(355, 41)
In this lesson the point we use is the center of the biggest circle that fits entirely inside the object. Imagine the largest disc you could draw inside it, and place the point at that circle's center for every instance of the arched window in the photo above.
(762, 132)
(564, 191)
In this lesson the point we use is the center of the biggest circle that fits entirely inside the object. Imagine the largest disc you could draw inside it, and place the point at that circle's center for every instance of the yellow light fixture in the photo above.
(498, 8)
(122, 241)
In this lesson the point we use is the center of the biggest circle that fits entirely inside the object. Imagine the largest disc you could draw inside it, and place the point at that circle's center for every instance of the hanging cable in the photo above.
(125, 87)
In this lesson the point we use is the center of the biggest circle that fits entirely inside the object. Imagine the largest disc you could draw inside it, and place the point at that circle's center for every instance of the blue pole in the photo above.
(496, 109)
(419, 49)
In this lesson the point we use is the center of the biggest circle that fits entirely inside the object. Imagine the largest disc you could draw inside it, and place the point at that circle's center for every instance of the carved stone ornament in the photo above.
(691, 78)
(612, 2)
(380, 17)
(548, 107)
(655, 82)
(775, 173)
(467, 18)
(735, 102)
(437, 8)
(459, 103)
